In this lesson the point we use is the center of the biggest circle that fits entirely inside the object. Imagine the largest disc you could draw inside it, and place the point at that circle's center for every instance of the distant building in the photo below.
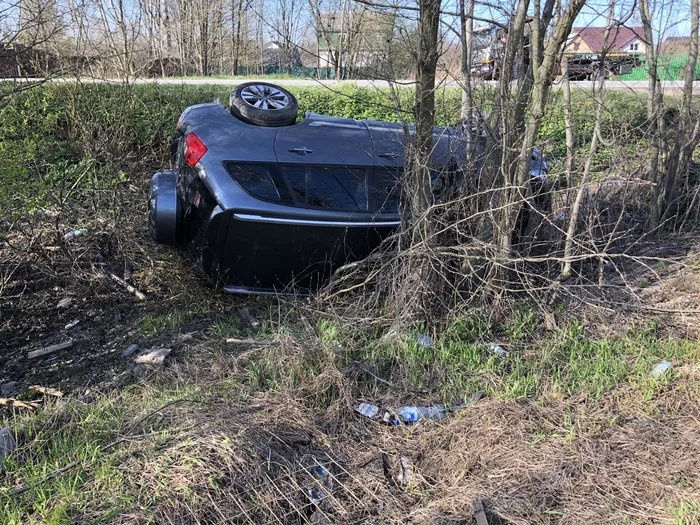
(675, 44)
(621, 39)
(279, 58)
(355, 39)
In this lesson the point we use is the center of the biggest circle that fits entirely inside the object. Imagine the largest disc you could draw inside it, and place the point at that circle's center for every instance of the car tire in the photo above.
(264, 104)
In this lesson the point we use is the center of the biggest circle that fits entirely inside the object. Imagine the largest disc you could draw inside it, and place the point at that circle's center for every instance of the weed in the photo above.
(523, 325)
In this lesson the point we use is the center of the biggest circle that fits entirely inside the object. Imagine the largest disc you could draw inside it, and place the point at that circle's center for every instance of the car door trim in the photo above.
(307, 222)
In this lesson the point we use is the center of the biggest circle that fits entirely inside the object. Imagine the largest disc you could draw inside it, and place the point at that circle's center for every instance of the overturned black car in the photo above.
(262, 203)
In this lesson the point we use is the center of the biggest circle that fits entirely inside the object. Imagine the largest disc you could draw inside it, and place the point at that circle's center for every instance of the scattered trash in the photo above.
(154, 357)
(7, 444)
(424, 340)
(73, 323)
(130, 350)
(73, 234)
(498, 350)
(660, 370)
(128, 287)
(49, 349)
(46, 390)
(9, 389)
(86, 399)
(372, 411)
(64, 303)
(390, 419)
(322, 486)
(367, 410)
(252, 321)
(413, 414)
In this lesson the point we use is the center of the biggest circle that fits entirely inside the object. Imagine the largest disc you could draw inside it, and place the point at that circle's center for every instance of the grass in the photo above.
(174, 455)
(564, 364)
(266, 78)
(247, 420)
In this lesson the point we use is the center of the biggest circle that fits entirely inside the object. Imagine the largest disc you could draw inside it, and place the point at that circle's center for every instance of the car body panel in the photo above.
(251, 216)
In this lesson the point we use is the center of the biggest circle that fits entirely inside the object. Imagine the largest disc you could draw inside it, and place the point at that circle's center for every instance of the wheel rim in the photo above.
(264, 97)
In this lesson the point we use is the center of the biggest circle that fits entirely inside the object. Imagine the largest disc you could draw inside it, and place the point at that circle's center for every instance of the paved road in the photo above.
(668, 86)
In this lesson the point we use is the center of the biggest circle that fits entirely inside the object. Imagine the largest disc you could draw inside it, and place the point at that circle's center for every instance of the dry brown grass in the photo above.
(622, 459)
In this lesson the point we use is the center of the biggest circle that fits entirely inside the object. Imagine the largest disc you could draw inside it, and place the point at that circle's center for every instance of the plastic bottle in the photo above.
(498, 350)
(660, 370)
(412, 414)
(367, 410)
(75, 233)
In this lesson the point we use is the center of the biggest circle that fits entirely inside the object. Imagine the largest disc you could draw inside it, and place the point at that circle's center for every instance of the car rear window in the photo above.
(333, 188)
(260, 180)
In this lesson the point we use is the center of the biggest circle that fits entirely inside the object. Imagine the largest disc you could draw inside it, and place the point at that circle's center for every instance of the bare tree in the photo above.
(599, 92)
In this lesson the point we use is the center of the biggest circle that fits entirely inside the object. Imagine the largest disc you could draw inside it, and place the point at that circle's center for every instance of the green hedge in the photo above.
(52, 135)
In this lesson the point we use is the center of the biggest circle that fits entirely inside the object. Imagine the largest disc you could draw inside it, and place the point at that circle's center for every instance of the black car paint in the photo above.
(248, 244)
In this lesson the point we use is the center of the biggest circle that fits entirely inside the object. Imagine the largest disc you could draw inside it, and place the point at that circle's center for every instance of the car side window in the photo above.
(259, 181)
(296, 176)
(337, 188)
(387, 188)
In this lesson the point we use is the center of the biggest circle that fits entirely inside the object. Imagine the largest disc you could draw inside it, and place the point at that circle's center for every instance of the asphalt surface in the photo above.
(616, 85)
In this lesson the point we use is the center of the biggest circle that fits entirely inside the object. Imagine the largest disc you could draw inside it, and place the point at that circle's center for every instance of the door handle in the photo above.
(389, 155)
(300, 151)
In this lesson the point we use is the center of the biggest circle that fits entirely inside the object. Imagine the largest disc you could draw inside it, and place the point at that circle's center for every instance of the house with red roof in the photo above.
(591, 41)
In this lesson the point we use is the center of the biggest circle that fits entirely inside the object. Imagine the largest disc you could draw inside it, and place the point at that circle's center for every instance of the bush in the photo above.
(51, 136)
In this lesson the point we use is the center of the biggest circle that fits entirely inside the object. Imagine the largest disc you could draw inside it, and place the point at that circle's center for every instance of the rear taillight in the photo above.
(194, 149)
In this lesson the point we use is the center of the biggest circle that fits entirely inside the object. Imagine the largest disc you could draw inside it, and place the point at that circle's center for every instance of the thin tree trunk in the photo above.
(517, 181)
(599, 96)
(654, 103)
(569, 124)
(685, 140)
(418, 193)
(467, 34)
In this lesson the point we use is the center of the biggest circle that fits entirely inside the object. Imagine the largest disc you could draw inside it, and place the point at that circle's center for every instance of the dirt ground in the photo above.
(46, 284)
(621, 460)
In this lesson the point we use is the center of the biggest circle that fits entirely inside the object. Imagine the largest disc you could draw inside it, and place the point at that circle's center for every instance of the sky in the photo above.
(671, 17)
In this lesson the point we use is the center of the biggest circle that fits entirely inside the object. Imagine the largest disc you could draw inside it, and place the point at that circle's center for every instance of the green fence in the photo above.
(670, 67)
(295, 71)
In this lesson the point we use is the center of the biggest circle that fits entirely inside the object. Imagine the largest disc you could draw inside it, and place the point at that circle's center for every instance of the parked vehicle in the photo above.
(592, 67)
(262, 203)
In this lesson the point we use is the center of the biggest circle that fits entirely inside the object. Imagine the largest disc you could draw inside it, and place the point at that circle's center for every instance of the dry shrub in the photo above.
(468, 267)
